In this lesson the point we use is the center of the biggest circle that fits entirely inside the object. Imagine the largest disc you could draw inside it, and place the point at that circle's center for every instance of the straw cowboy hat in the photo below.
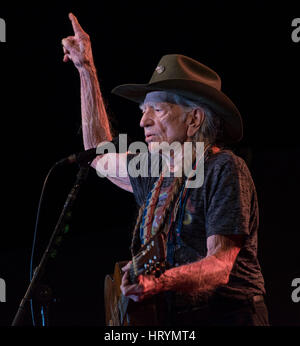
(189, 78)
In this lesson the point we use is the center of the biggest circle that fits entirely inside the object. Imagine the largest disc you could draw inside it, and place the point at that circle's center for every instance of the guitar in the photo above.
(120, 310)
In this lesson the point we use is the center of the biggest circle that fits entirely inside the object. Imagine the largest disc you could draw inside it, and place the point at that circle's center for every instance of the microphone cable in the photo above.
(56, 164)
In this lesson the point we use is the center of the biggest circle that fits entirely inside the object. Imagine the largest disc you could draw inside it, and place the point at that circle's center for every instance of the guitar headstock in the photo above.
(151, 259)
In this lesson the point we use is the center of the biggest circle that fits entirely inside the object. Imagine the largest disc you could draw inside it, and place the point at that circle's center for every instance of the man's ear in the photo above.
(195, 120)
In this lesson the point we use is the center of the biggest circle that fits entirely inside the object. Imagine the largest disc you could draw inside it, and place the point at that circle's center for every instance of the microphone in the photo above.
(83, 158)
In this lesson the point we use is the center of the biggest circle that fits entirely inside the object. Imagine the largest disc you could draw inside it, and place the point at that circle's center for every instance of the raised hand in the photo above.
(77, 48)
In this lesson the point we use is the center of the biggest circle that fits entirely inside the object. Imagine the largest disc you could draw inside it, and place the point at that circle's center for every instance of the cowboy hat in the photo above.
(189, 78)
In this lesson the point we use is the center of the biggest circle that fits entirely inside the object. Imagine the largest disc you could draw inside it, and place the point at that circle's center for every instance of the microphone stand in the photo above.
(39, 271)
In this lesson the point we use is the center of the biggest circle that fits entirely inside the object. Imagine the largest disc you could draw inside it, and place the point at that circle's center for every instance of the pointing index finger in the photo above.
(75, 24)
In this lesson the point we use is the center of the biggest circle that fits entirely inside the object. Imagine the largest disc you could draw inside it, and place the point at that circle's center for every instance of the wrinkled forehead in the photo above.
(163, 96)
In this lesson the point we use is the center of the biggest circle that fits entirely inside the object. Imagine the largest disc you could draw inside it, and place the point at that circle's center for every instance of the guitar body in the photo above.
(122, 311)
(112, 296)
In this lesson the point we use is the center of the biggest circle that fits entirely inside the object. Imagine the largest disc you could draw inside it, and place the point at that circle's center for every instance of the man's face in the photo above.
(163, 122)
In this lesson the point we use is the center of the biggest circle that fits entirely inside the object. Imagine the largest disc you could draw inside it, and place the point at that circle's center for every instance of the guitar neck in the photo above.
(150, 259)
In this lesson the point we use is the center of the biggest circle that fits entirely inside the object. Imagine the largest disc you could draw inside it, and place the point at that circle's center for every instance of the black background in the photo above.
(248, 43)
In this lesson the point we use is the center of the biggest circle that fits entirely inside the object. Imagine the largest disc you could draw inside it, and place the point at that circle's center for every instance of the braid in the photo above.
(136, 241)
(168, 205)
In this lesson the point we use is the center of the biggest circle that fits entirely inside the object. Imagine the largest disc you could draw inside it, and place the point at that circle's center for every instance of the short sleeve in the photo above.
(229, 198)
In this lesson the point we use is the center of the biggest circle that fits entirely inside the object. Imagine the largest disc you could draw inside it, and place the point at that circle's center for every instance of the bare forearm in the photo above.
(197, 277)
(95, 124)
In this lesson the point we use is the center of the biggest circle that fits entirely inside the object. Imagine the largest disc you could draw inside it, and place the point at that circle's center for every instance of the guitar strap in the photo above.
(173, 235)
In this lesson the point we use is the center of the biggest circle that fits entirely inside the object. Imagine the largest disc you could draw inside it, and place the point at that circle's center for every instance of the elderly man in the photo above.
(213, 275)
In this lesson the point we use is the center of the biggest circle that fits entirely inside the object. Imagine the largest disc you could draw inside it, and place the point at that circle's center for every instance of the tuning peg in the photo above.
(147, 268)
(152, 267)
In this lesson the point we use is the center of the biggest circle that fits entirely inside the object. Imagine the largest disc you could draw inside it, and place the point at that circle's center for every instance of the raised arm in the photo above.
(95, 123)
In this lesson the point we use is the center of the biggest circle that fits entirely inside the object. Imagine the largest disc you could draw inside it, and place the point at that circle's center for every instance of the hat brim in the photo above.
(196, 91)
